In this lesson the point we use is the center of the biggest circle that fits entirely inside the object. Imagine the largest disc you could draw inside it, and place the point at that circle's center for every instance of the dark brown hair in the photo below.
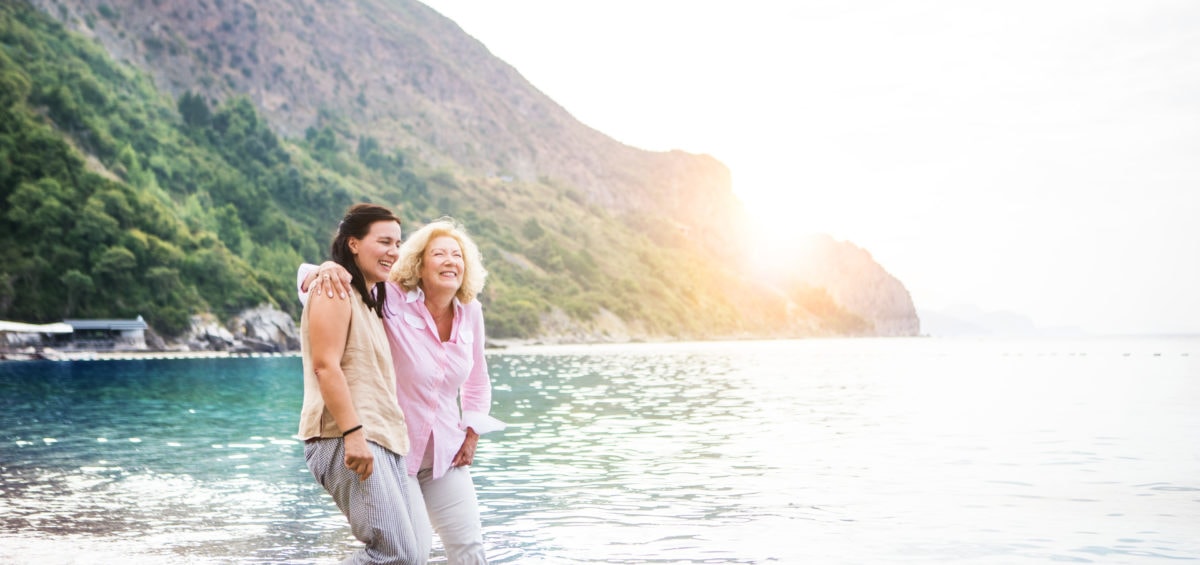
(357, 224)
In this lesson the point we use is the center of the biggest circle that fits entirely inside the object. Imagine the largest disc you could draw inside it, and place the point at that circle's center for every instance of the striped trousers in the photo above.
(385, 512)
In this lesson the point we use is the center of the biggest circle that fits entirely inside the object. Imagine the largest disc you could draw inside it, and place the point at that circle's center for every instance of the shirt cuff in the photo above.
(303, 271)
(481, 423)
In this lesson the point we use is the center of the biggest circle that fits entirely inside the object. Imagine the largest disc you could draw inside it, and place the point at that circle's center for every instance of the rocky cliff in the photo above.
(856, 282)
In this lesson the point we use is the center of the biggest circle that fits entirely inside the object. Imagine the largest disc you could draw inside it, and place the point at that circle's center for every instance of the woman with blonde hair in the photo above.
(435, 328)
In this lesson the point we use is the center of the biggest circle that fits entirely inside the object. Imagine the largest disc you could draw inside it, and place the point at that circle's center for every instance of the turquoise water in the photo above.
(817, 451)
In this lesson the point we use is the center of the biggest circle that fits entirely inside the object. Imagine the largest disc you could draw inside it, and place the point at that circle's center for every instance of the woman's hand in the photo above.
(466, 453)
(328, 277)
(358, 456)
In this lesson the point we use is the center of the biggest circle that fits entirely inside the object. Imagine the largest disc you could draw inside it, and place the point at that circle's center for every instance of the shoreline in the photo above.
(134, 355)
(492, 346)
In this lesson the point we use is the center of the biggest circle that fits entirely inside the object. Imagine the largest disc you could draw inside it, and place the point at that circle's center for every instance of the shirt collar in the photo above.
(419, 294)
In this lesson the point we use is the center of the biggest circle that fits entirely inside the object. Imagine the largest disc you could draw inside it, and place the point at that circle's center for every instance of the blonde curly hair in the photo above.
(407, 272)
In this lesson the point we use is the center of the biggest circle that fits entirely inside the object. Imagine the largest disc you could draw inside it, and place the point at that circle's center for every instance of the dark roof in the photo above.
(119, 325)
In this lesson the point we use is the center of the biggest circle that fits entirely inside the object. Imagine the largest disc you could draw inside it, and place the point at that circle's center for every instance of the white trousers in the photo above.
(454, 513)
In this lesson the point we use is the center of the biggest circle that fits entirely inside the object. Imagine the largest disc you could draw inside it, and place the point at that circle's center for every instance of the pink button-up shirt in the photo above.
(433, 376)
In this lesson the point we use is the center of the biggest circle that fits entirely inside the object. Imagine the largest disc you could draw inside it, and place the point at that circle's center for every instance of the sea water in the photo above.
(810, 451)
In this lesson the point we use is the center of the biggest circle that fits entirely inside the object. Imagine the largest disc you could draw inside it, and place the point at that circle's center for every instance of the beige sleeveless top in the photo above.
(367, 364)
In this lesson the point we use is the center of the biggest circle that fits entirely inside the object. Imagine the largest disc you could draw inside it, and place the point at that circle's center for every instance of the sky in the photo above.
(1040, 158)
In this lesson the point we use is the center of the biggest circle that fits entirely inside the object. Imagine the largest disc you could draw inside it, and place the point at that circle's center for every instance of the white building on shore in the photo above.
(108, 334)
(100, 335)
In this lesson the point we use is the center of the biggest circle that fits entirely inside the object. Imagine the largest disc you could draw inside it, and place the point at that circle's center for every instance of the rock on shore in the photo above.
(264, 329)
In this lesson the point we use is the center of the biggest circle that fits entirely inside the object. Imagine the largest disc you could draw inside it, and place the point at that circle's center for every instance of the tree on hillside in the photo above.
(194, 110)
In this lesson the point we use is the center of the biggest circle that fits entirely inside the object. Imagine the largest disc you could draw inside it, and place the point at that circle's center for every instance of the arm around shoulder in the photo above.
(329, 276)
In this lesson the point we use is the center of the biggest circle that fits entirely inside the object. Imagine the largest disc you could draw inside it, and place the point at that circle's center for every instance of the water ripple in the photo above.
(829, 451)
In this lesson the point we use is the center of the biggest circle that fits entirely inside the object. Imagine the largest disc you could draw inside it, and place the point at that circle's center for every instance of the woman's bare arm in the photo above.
(328, 327)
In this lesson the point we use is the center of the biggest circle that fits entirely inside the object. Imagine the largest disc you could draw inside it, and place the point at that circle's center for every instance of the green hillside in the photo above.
(120, 200)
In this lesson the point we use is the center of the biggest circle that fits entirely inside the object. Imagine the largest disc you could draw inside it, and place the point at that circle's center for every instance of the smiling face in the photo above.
(442, 265)
(376, 252)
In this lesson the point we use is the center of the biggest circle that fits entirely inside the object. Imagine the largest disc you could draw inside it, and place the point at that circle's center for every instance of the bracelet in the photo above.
(352, 430)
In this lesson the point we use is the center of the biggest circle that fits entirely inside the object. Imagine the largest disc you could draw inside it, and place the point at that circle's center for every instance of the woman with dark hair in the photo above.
(355, 433)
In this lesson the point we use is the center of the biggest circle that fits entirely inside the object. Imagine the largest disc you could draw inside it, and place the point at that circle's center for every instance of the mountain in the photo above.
(967, 320)
(411, 79)
(856, 282)
(236, 132)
